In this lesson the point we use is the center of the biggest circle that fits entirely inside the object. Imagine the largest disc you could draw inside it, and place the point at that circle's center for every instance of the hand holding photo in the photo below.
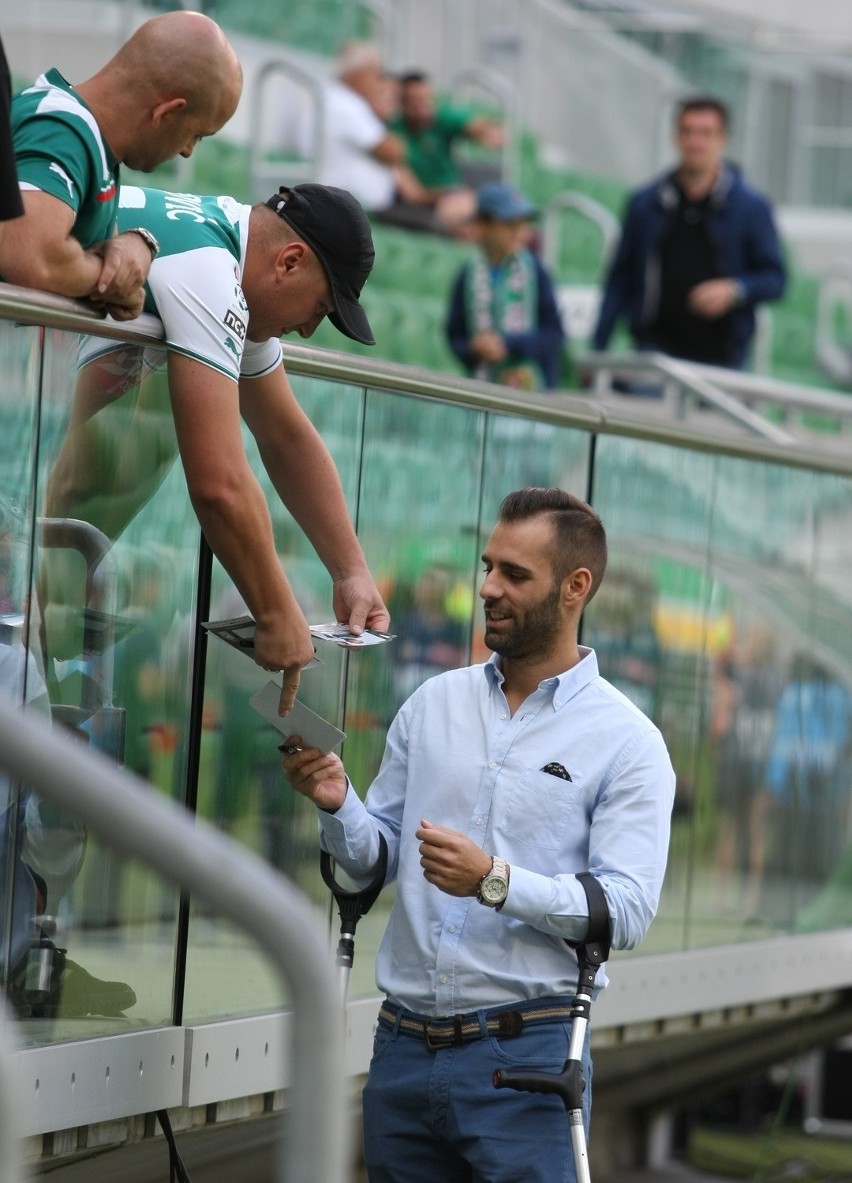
(239, 631)
(339, 634)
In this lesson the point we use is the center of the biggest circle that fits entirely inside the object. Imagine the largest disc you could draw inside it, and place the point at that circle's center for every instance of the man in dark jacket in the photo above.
(698, 252)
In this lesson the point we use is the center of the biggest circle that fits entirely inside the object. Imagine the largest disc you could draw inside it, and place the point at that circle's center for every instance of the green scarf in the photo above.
(504, 300)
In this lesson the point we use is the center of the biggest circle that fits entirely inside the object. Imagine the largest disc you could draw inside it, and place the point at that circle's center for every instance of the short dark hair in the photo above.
(413, 76)
(579, 535)
(704, 102)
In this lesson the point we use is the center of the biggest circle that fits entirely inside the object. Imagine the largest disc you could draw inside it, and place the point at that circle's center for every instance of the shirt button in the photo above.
(480, 819)
(451, 928)
(444, 979)
(493, 764)
(504, 715)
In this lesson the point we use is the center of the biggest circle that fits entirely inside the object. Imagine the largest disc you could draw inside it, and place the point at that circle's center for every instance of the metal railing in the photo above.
(737, 395)
(732, 392)
(122, 810)
(132, 818)
(265, 175)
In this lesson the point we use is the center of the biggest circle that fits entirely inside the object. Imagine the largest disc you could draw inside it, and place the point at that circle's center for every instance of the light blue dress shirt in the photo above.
(457, 757)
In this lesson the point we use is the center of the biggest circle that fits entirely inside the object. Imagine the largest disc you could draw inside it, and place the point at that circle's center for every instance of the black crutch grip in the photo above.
(568, 1084)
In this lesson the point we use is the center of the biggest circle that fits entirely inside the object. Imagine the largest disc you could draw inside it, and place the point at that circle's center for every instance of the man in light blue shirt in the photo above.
(499, 784)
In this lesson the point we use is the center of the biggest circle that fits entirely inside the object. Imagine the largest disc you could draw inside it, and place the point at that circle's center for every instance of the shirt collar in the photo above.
(562, 686)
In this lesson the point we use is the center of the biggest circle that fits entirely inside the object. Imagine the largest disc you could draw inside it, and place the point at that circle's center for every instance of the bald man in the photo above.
(176, 80)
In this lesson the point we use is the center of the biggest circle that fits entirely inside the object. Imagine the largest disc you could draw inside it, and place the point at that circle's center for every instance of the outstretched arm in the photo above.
(234, 516)
(306, 479)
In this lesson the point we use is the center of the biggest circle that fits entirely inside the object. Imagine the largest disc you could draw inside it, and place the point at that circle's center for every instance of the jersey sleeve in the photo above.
(198, 297)
(51, 157)
(260, 358)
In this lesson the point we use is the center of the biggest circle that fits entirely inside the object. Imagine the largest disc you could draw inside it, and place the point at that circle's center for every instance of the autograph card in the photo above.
(316, 732)
(339, 634)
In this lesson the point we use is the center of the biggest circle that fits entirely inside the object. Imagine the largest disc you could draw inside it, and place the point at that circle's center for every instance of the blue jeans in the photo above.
(435, 1117)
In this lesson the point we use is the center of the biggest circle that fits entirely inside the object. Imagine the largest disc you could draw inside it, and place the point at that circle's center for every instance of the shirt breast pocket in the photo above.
(538, 810)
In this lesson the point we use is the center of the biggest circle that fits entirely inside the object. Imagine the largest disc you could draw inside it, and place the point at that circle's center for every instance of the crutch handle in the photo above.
(567, 1084)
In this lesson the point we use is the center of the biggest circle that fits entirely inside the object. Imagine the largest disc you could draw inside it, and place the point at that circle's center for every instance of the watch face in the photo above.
(493, 889)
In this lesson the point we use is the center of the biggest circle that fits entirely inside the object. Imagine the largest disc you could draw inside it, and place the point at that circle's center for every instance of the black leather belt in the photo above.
(453, 1030)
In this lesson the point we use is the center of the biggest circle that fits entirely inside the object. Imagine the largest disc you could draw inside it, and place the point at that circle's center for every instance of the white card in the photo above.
(315, 731)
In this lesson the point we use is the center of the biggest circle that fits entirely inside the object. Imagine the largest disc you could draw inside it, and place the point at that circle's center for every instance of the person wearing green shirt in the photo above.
(174, 81)
(430, 131)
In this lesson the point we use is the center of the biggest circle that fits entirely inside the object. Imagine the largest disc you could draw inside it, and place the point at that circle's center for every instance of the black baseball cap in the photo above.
(337, 230)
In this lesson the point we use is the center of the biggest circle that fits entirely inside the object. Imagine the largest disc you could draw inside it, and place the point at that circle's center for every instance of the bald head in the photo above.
(176, 80)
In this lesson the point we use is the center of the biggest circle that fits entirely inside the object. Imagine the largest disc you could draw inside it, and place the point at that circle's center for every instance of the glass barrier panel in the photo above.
(418, 520)
(114, 570)
(807, 880)
(241, 785)
(654, 624)
(21, 673)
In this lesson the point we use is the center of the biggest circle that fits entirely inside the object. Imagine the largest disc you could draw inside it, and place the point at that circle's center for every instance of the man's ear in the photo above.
(165, 109)
(576, 587)
(290, 257)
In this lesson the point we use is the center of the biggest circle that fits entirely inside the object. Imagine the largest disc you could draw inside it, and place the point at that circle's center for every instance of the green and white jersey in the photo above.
(194, 285)
(59, 150)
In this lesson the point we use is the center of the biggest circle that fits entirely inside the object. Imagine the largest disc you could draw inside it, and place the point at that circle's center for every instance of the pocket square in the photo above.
(556, 769)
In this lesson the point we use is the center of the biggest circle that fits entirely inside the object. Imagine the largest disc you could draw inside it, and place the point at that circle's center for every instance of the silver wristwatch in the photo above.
(494, 887)
(147, 237)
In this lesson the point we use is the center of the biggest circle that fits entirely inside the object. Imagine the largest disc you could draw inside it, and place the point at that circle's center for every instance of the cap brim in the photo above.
(350, 319)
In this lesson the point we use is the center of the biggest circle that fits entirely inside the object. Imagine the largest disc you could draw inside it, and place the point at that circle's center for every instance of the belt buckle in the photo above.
(456, 1039)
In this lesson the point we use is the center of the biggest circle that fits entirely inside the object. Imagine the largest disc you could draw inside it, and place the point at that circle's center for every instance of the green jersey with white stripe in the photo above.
(59, 150)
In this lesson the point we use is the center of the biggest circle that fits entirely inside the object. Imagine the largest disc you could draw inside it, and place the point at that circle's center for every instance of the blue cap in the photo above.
(500, 201)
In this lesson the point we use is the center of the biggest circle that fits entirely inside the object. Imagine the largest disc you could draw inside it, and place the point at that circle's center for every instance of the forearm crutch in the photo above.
(352, 905)
(570, 1083)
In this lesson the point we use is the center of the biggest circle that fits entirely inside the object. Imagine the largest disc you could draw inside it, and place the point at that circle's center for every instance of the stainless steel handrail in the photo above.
(241, 887)
(685, 378)
(593, 211)
(583, 412)
(264, 175)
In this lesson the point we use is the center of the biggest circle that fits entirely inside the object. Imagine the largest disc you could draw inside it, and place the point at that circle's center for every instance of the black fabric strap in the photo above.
(177, 1171)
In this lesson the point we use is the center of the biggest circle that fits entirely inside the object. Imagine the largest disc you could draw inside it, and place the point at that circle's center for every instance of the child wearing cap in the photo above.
(503, 322)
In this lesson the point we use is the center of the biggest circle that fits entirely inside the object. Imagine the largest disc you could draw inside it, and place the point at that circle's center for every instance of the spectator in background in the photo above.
(807, 777)
(503, 322)
(698, 252)
(431, 637)
(430, 130)
(361, 154)
(745, 688)
(176, 80)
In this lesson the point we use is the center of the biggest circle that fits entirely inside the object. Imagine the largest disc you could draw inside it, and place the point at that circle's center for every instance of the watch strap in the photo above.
(499, 870)
(147, 237)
